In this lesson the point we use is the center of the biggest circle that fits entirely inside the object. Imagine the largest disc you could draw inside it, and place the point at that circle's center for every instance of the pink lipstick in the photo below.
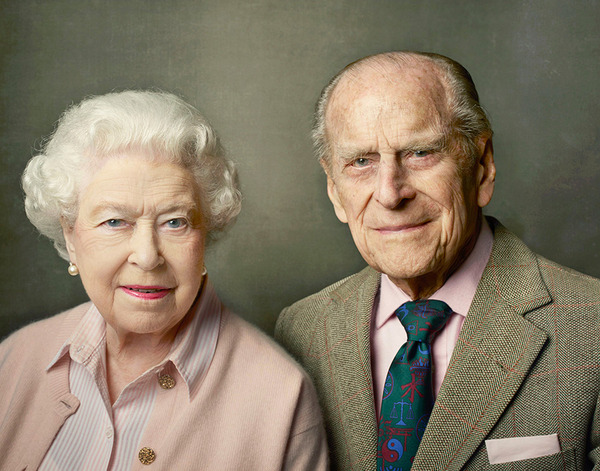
(146, 292)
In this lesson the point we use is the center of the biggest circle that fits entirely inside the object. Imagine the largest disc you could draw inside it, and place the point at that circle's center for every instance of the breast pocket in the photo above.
(564, 460)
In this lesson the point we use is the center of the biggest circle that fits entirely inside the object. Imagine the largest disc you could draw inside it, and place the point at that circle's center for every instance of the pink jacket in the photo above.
(256, 409)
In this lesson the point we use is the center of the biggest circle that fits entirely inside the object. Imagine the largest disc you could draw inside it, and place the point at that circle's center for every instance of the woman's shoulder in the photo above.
(255, 348)
(248, 361)
(41, 338)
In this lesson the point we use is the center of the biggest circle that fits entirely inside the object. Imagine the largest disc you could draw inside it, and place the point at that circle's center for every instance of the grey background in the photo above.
(255, 69)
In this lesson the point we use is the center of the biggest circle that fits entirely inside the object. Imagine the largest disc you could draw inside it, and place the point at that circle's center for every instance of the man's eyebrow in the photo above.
(435, 143)
(347, 154)
(438, 143)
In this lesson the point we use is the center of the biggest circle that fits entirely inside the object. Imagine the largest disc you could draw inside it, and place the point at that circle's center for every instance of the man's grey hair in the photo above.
(158, 125)
(469, 120)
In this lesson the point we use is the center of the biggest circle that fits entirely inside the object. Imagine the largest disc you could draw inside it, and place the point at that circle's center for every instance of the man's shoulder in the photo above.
(525, 278)
(336, 291)
(567, 282)
(301, 316)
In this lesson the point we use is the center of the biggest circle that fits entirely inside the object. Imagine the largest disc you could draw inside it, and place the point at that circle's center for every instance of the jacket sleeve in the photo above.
(594, 454)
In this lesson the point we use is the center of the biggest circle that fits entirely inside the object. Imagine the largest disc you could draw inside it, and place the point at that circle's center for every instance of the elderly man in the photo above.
(453, 308)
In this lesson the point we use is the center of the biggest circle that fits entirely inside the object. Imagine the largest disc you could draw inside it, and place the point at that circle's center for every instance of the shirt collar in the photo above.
(458, 291)
(192, 351)
(195, 345)
(87, 338)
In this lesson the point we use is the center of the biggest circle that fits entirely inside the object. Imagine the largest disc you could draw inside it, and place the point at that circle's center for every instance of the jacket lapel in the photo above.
(349, 357)
(495, 350)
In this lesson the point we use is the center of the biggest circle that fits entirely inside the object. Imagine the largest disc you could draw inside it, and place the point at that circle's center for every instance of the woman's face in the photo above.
(138, 242)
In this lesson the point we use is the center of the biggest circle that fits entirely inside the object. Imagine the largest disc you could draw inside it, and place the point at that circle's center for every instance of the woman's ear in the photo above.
(68, 233)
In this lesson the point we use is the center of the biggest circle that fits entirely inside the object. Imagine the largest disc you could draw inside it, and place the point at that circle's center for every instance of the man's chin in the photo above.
(404, 274)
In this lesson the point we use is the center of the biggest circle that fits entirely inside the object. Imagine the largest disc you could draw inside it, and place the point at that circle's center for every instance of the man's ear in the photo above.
(68, 235)
(485, 170)
(332, 192)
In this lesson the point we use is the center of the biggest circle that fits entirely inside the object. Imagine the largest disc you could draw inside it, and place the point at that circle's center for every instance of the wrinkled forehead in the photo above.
(414, 91)
(97, 163)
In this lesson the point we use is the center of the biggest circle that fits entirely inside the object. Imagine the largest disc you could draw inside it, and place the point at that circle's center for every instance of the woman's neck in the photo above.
(129, 356)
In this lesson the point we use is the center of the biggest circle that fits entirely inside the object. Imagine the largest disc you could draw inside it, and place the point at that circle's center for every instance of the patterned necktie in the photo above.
(408, 390)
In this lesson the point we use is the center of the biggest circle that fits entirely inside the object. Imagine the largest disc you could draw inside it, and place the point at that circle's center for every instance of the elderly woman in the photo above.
(154, 371)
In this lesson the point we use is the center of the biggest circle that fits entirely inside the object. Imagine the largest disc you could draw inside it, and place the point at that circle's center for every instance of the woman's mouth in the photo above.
(146, 292)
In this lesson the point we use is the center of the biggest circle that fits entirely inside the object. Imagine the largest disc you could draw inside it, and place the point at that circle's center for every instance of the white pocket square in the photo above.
(505, 450)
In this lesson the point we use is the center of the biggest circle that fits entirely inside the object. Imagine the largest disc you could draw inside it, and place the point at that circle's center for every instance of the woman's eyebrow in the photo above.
(123, 209)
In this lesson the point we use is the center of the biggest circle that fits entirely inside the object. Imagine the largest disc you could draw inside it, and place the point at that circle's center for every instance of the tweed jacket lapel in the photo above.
(495, 349)
(349, 356)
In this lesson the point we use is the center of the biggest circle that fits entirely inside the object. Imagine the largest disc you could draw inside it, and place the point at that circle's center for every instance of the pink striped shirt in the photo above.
(388, 334)
(105, 436)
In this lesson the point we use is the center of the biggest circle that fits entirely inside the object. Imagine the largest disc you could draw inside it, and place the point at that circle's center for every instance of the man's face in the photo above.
(399, 179)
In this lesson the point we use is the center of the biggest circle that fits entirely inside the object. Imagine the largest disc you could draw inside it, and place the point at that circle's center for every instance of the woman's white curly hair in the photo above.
(157, 124)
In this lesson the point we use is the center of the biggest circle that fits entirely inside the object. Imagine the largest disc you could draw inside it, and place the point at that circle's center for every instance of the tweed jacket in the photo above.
(526, 363)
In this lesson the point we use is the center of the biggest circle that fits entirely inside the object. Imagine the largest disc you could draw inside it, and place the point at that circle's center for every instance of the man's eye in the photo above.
(176, 223)
(421, 153)
(361, 162)
(115, 223)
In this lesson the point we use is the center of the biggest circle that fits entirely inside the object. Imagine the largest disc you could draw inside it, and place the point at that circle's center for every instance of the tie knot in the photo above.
(422, 319)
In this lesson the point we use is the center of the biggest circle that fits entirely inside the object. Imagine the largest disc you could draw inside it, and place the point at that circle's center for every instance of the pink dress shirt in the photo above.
(388, 334)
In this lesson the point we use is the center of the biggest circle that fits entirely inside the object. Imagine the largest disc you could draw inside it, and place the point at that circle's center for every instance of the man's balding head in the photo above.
(466, 119)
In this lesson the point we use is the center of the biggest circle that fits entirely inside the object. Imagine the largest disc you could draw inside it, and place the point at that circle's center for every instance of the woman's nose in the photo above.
(145, 250)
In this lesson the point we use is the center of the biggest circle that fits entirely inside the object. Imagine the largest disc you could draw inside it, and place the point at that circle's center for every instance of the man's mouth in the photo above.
(402, 227)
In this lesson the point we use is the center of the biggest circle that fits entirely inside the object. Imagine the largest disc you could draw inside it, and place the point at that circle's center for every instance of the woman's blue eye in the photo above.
(421, 153)
(176, 223)
(114, 222)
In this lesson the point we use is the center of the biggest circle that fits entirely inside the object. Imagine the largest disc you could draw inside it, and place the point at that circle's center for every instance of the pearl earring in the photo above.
(204, 271)
(73, 270)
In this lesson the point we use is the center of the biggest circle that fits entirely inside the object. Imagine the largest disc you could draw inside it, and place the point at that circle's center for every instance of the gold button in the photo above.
(166, 382)
(147, 455)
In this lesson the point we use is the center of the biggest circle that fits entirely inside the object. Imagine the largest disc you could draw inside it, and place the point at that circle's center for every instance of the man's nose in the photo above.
(393, 186)
(145, 249)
